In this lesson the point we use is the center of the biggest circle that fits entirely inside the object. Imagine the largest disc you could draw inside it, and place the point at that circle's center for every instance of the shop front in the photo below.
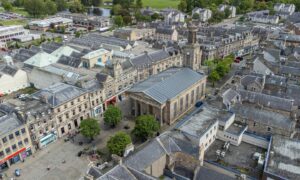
(97, 111)
(12, 159)
(44, 141)
(111, 101)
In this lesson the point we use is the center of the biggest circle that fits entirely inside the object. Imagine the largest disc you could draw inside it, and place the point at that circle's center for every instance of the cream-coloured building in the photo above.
(70, 105)
(15, 142)
(96, 58)
(161, 96)
(133, 34)
(12, 79)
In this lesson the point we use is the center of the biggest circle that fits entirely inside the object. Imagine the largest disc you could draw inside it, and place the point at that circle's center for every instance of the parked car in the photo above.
(199, 104)
(18, 172)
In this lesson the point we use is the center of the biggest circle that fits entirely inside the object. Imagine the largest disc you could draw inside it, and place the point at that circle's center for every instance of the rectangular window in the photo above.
(20, 144)
(1, 154)
(66, 106)
(14, 147)
(72, 103)
(4, 140)
(23, 131)
(11, 136)
(58, 109)
(17, 133)
(73, 111)
(7, 150)
(26, 140)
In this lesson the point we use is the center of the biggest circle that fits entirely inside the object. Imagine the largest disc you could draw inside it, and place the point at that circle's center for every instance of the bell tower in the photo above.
(191, 51)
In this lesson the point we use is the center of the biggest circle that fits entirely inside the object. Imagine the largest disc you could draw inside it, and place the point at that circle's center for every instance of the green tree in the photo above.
(139, 4)
(227, 12)
(61, 5)
(145, 126)
(112, 116)
(214, 77)
(196, 16)
(77, 34)
(117, 143)
(155, 16)
(182, 6)
(7, 5)
(51, 7)
(117, 9)
(89, 128)
(76, 7)
(118, 20)
(18, 3)
(97, 2)
(222, 69)
(35, 8)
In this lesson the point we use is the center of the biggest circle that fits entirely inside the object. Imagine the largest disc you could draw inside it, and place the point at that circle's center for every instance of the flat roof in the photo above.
(285, 160)
(198, 124)
(239, 158)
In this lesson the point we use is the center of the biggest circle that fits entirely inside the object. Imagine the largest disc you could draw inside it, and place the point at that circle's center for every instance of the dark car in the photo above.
(199, 104)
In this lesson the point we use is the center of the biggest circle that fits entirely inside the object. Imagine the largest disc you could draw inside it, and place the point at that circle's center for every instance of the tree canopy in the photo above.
(145, 127)
(89, 128)
(117, 143)
(112, 116)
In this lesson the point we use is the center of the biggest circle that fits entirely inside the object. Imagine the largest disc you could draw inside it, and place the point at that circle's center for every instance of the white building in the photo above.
(232, 9)
(45, 24)
(12, 79)
(204, 14)
(8, 33)
(266, 19)
(285, 8)
(172, 16)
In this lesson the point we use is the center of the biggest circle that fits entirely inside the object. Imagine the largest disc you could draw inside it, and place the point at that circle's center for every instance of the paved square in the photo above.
(35, 167)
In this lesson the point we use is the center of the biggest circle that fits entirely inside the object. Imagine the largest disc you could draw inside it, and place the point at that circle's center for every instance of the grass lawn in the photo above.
(13, 22)
(20, 11)
(160, 4)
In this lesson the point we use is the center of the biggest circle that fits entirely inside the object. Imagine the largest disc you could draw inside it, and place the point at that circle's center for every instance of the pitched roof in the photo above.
(58, 94)
(164, 86)
(41, 59)
(147, 59)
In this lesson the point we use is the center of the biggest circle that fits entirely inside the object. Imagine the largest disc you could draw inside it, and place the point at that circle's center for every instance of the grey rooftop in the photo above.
(164, 86)
(59, 93)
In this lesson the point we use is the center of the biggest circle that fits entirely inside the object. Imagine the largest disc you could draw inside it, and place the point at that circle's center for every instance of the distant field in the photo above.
(159, 4)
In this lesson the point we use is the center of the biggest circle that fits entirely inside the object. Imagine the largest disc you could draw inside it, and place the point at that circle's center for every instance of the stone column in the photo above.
(135, 107)
(161, 116)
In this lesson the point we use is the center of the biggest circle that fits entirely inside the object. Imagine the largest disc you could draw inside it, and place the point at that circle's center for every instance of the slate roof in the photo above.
(74, 60)
(273, 102)
(9, 119)
(96, 40)
(146, 156)
(269, 118)
(290, 70)
(249, 79)
(276, 80)
(147, 59)
(9, 70)
(119, 172)
(229, 95)
(59, 93)
(208, 174)
(163, 30)
(164, 86)
(259, 67)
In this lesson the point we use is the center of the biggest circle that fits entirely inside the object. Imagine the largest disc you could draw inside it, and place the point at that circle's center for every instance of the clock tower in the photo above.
(191, 51)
